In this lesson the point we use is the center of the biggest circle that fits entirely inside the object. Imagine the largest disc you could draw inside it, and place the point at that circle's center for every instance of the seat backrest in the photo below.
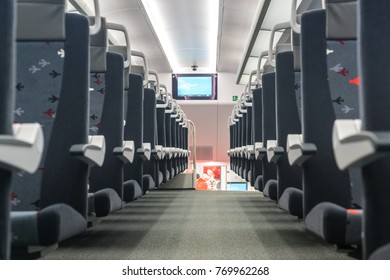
(243, 126)
(106, 111)
(287, 119)
(374, 98)
(168, 135)
(53, 86)
(134, 126)
(249, 138)
(328, 90)
(162, 138)
(257, 127)
(150, 130)
(269, 120)
(7, 95)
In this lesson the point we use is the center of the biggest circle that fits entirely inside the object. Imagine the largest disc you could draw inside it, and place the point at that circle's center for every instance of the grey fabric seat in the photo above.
(52, 74)
(7, 95)
(133, 172)
(106, 118)
(269, 131)
(257, 112)
(161, 140)
(168, 126)
(150, 178)
(133, 108)
(287, 89)
(328, 71)
(374, 24)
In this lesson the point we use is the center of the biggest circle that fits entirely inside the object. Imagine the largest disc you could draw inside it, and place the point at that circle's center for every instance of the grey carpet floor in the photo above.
(178, 224)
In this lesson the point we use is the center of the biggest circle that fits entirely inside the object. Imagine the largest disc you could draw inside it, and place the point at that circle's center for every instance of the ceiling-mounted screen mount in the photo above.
(195, 86)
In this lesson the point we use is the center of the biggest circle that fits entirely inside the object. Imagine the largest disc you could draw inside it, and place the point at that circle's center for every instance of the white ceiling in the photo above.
(186, 22)
(186, 18)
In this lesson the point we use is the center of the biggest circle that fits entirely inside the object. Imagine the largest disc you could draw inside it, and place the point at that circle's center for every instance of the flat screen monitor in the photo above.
(194, 86)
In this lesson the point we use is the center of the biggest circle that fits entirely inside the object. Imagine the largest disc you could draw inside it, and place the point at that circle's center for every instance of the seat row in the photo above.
(83, 130)
(311, 131)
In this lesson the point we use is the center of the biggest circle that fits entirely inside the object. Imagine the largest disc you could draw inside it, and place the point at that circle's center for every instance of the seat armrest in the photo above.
(250, 152)
(243, 152)
(157, 152)
(274, 152)
(237, 152)
(297, 151)
(355, 148)
(175, 152)
(92, 153)
(169, 152)
(260, 150)
(145, 152)
(126, 152)
(257, 147)
(22, 150)
(234, 152)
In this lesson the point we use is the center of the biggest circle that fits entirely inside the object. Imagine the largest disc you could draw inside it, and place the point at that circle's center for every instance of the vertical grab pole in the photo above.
(193, 153)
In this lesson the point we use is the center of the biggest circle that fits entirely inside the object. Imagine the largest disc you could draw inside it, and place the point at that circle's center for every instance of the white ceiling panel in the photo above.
(187, 23)
(237, 18)
(230, 56)
(279, 11)
(251, 65)
(262, 42)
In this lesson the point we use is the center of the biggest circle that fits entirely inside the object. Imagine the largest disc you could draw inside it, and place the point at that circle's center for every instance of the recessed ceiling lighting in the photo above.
(153, 9)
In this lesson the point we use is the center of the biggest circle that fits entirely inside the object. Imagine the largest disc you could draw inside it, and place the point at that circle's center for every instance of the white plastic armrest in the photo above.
(258, 147)
(23, 150)
(126, 152)
(92, 153)
(165, 153)
(244, 151)
(262, 150)
(274, 152)
(297, 151)
(169, 152)
(157, 152)
(250, 152)
(241, 152)
(145, 152)
(175, 152)
(356, 148)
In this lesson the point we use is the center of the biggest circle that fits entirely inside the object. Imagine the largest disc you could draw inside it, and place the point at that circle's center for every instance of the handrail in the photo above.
(94, 29)
(193, 153)
(142, 55)
(293, 20)
(119, 27)
(259, 70)
(155, 74)
(279, 26)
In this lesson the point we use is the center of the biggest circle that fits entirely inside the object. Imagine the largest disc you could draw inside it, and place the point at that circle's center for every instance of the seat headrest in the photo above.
(39, 20)
(296, 47)
(98, 47)
(138, 69)
(121, 49)
(341, 18)
(282, 48)
(268, 68)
